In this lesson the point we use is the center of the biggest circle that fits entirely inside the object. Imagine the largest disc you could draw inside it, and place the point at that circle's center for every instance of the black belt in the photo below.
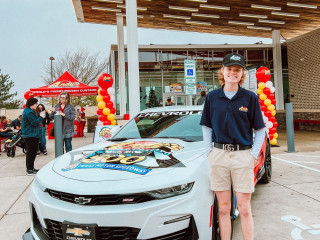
(231, 147)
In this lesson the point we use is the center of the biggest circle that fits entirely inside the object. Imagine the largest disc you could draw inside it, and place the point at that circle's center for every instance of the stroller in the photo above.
(11, 144)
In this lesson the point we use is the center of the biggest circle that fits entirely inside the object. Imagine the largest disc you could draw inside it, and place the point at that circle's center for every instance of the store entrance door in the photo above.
(177, 98)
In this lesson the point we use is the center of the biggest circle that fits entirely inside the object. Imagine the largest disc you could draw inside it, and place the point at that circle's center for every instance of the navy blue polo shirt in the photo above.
(232, 120)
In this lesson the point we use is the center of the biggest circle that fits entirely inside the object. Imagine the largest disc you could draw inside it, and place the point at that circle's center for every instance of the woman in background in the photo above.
(43, 129)
(68, 113)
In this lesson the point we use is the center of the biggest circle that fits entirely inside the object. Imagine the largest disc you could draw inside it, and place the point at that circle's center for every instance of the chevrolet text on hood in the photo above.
(137, 156)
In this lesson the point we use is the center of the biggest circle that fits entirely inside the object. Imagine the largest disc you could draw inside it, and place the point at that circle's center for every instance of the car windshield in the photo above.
(175, 124)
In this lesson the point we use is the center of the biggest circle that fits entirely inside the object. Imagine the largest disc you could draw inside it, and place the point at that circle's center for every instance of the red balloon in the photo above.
(264, 108)
(103, 118)
(266, 91)
(275, 124)
(263, 74)
(270, 135)
(261, 102)
(109, 104)
(28, 94)
(103, 92)
(267, 114)
(107, 122)
(105, 81)
(99, 111)
(271, 96)
(273, 101)
(272, 119)
(112, 110)
(106, 98)
(272, 130)
(24, 106)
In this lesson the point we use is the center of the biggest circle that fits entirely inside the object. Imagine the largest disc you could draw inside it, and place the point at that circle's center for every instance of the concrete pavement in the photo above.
(286, 208)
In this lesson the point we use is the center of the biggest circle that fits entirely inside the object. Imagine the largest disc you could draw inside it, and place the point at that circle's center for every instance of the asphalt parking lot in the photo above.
(286, 208)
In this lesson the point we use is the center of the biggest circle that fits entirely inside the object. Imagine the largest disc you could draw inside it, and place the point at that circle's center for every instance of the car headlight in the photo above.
(171, 191)
(38, 185)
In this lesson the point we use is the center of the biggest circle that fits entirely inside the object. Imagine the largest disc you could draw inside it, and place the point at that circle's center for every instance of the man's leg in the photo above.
(244, 207)
(224, 203)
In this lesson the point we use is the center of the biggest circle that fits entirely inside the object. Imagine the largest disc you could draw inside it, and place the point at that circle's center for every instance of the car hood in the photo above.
(134, 158)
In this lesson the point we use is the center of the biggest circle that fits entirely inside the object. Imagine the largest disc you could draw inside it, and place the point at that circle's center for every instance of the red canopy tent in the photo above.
(65, 83)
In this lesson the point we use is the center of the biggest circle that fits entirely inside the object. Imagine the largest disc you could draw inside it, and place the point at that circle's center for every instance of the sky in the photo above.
(31, 31)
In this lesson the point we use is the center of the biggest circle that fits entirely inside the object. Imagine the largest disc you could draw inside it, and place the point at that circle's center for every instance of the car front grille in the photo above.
(89, 200)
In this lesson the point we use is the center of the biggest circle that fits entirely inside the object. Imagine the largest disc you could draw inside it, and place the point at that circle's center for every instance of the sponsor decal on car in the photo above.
(127, 156)
(105, 133)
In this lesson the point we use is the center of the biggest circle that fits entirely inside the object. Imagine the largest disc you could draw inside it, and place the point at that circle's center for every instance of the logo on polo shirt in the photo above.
(243, 109)
(235, 58)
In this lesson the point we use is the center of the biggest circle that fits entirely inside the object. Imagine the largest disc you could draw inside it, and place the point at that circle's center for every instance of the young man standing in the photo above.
(229, 116)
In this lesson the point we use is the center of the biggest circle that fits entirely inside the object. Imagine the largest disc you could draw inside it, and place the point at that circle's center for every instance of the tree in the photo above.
(83, 65)
(153, 102)
(6, 98)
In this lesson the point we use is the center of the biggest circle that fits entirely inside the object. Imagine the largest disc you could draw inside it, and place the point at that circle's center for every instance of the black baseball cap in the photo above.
(233, 59)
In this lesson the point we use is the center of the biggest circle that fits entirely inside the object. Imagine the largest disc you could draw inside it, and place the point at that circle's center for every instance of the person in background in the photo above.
(30, 128)
(202, 99)
(16, 123)
(5, 132)
(43, 129)
(169, 102)
(68, 113)
(8, 125)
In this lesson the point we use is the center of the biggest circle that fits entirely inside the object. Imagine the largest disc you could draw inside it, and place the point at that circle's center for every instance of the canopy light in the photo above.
(292, 4)
(203, 1)
(176, 16)
(198, 22)
(252, 15)
(110, 1)
(105, 9)
(240, 23)
(183, 8)
(214, 7)
(260, 28)
(265, 7)
(286, 14)
(138, 8)
(205, 15)
(271, 21)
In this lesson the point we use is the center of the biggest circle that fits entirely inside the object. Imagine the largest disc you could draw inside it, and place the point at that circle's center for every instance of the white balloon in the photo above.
(272, 89)
(112, 99)
(269, 124)
(99, 123)
(111, 91)
(269, 84)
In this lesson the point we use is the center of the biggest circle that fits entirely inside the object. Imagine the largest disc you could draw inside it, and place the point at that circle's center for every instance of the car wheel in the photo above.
(215, 217)
(266, 178)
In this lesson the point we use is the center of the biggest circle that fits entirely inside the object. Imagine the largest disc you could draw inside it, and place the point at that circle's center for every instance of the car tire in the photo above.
(266, 178)
(215, 217)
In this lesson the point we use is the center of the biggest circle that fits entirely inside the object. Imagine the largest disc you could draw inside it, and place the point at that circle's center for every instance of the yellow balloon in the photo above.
(273, 113)
(99, 98)
(111, 117)
(114, 122)
(261, 85)
(275, 135)
(273, 141)
(271, 107)
(106, 111)
(101, 105)
(267, 102)
(262, 96)
(259, 91)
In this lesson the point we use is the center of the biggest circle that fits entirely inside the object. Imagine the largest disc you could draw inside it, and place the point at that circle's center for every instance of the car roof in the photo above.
(174, 108)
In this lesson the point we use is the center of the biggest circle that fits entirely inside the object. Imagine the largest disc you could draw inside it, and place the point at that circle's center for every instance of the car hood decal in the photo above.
(125, 159)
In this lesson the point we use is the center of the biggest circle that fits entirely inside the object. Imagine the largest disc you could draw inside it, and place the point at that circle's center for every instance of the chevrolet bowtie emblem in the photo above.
(78, 232)
(82, 200)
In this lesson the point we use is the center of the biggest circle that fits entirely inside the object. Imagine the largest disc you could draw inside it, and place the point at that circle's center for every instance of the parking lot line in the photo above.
(296, 164)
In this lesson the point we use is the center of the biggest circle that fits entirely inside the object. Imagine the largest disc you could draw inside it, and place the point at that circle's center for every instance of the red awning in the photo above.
(65, 83)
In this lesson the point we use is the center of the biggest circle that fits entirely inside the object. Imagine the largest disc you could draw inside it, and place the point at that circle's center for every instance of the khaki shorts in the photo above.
(234, 168)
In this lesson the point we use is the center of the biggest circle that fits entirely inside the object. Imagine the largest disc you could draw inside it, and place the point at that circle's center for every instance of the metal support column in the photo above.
(58, 139)
(121, 66)
(133, 57)
(277, 66)
(290, 128)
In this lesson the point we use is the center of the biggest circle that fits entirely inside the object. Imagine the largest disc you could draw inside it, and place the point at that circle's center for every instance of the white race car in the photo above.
(150, 181)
